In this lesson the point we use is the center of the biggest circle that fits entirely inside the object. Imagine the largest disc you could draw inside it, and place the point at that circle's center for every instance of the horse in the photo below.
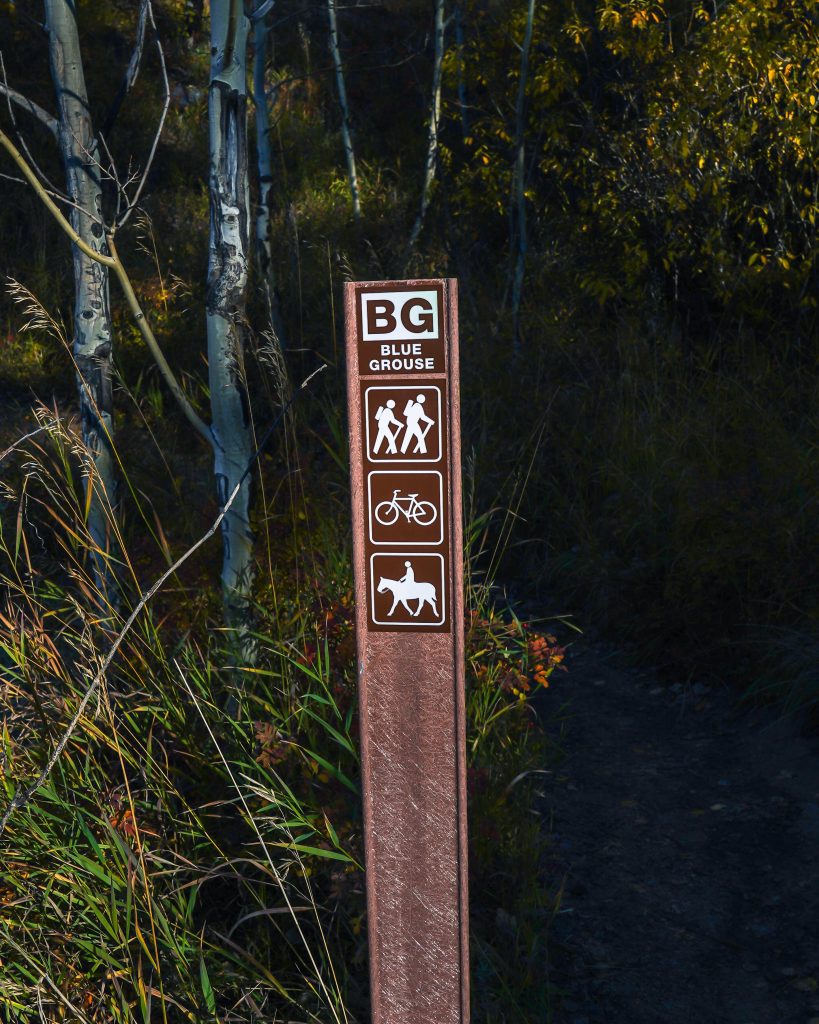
(424, 593)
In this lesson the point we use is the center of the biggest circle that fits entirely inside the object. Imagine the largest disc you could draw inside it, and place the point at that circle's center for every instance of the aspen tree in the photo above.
(264, 165)
(517, 204)
(346, 134)
(228, 253)
(431, 161)
(92, 334)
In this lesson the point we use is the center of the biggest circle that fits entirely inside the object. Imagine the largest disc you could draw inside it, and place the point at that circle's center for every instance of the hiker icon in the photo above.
(415, 415)
(415, 427)
(404, 423)
(388, 428)
(407, 589)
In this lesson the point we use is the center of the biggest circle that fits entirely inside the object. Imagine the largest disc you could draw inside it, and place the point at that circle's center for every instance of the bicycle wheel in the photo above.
(425, 513)
(386, 513)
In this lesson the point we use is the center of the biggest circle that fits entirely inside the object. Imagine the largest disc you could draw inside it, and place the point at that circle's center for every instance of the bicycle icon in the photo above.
(422, 513)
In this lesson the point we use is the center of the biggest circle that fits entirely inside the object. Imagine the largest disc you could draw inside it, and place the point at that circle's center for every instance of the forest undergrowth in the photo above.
(185, 862)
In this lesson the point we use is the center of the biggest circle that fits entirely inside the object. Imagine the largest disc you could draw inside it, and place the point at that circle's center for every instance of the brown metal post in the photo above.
(403, 400)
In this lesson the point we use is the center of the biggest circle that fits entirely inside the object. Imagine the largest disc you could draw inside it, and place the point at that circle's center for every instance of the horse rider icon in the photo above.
(408, 589)
(414, 413)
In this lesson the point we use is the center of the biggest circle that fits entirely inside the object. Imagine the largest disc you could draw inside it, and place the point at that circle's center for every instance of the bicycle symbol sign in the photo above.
(414, 511)
(406, 507)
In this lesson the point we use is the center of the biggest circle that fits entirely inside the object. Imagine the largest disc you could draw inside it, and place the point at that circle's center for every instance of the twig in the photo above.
(20, 440)
(21, 797)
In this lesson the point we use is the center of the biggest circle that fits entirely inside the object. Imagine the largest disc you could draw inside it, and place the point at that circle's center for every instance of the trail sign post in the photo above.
(403, 400)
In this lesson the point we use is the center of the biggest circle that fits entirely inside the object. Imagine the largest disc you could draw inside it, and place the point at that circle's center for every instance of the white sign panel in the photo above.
(399, 316)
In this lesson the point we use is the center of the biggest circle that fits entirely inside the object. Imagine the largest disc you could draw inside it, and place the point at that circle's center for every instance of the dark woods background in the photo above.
(640, 408)
(660, 400)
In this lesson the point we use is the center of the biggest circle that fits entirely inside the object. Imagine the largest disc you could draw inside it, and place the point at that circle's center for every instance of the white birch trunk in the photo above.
(517, 209)
(346, 134)
(264, 162)
(431, 162)
(92, 338)
(226, 299)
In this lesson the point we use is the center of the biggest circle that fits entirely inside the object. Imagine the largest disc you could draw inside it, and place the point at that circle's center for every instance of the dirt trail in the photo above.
(688, 833)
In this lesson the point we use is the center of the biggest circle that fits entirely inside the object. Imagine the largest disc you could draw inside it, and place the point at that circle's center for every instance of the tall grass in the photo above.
(183, 862)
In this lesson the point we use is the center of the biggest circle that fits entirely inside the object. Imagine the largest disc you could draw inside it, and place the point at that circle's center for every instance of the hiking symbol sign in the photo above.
(403, 423)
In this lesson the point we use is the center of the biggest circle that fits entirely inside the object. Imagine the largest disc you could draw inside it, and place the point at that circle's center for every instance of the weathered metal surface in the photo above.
(402, 348)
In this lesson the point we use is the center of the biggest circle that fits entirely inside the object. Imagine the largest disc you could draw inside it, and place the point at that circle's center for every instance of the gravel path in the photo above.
(687, 832)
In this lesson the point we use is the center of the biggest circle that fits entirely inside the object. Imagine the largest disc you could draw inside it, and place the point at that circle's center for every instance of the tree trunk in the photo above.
(517, 206)
(459, 43)
(346, 134)
(432, 139)
(264, 161)
(226, 300)
(92, 337)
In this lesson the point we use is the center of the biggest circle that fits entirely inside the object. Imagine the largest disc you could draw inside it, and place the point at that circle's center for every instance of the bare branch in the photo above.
(54, 195)
(149, 338)
(19, 441)
(166, 104)
(131, 72)
(114, 263)
(22, 796)
(21, 139)
(33, 108)
(264, 8)
(46, 199)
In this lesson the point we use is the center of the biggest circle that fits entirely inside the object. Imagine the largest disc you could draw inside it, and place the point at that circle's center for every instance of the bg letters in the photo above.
(400, 316)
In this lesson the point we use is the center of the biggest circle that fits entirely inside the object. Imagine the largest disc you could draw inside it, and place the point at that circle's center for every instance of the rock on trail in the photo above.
(687, 832)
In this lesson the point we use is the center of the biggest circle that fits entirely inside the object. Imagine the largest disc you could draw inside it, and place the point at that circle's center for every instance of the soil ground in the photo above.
(686, 830)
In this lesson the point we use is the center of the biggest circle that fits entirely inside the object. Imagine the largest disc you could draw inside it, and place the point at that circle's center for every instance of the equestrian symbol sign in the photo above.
(403, 393)
(409, 588)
